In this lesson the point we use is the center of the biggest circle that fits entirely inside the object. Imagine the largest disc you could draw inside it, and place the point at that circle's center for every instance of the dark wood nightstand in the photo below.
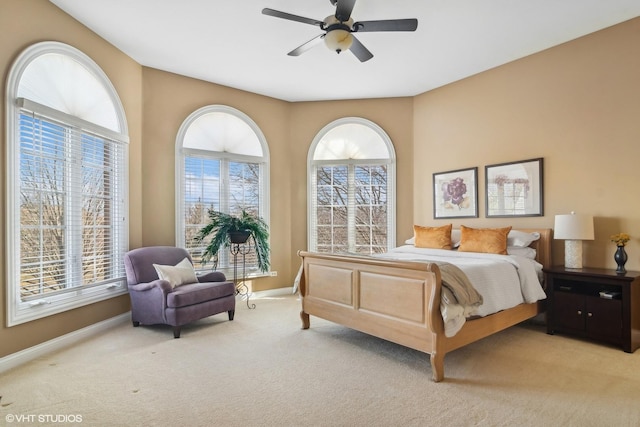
(594, 303)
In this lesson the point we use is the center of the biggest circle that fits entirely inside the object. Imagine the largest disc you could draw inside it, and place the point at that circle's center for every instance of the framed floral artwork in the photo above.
(514, 189)
(455, 194)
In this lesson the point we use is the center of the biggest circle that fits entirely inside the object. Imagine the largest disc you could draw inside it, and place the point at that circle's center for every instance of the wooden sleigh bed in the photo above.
(399, 301)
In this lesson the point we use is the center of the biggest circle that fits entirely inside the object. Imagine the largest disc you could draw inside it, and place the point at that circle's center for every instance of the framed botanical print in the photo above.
(455, 194)
(514, 189)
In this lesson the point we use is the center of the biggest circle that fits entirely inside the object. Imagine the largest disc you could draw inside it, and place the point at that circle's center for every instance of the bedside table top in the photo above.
(592, 272)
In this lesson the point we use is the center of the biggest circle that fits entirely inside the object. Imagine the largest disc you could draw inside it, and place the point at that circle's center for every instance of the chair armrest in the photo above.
(212, 276)
(164, 285)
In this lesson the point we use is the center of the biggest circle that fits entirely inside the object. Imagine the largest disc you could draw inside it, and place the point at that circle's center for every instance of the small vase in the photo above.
(621, 258)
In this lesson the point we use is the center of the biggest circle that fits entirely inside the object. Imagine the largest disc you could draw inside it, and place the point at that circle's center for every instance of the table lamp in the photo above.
(573, 229)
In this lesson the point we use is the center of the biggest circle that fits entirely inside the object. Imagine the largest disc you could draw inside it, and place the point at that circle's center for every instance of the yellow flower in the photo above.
(620, 239)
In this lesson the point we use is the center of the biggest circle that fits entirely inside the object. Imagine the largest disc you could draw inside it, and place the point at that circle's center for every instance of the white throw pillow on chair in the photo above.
(182, 273)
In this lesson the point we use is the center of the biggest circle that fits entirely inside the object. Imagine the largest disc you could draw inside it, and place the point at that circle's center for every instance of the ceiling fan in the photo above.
(339, 29)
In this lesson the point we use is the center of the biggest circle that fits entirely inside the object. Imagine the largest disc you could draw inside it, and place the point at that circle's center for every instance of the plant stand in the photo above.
(241, 249)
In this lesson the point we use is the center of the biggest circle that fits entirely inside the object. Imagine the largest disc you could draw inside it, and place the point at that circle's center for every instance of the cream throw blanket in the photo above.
(459, 298)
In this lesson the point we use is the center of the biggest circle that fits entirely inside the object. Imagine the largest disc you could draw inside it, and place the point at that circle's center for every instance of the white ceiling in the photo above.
(231, 43)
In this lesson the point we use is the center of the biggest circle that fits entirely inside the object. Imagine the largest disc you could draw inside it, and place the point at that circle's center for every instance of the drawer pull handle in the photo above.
(579, 312)
(590, 314)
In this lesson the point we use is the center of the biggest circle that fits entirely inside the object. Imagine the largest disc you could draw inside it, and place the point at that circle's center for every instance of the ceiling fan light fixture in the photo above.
(338, 40)
(339, 26)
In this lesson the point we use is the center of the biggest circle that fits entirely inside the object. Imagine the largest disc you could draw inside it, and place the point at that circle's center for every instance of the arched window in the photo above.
(67, 206)
(222, 163)
(351, 188)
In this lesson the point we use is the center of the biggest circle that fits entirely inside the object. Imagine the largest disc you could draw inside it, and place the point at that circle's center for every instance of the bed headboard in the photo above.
(542, 245)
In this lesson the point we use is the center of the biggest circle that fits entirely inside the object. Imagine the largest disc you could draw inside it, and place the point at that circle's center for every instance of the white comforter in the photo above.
(504, 281)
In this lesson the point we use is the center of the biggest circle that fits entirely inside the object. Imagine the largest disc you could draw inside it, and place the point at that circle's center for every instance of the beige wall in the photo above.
(46, 22)
(576, 105)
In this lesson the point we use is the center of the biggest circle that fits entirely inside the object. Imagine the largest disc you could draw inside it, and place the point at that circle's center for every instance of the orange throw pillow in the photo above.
(485, 240)
(433, 237)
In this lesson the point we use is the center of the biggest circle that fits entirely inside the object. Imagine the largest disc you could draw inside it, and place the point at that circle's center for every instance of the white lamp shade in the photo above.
(573, 227)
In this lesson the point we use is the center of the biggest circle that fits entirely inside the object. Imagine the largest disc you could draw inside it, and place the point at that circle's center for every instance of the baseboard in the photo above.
(28, 354)
(272, 292)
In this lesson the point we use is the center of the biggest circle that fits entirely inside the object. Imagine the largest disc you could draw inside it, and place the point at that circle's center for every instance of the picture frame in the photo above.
(455, 194)
(514, 189)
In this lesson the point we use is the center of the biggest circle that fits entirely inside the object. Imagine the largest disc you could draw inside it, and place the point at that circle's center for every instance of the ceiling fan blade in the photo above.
(386, 25)
(344, 9)
(290, 17)
(306, 46)
(358, 49)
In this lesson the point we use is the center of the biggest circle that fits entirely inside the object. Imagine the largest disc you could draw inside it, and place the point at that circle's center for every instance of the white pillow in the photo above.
(456, 236)
(180, 274)
(521, 239)
(529, 253)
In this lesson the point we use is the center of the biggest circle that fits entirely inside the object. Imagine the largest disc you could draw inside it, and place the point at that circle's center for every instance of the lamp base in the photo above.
(573, 253)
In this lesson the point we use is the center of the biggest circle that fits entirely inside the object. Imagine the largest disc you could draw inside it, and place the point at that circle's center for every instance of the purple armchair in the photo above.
(155, 301)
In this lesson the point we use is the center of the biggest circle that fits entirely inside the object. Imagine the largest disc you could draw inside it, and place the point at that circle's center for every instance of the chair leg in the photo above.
(231, 314)
(176, 331)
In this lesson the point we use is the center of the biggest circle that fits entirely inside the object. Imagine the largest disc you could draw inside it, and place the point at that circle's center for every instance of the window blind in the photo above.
(222, 185)
(71, 206)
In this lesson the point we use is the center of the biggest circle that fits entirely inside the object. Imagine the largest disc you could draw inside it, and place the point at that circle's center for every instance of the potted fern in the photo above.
(226, 229)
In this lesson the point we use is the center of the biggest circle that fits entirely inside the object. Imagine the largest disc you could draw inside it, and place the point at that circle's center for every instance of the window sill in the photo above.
(228, 272)
(48, 306)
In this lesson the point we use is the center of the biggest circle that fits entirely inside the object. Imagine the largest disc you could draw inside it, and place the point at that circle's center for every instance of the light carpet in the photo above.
(262, 370)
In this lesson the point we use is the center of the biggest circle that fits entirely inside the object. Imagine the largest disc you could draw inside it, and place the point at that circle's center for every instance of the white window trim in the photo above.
(391, 176)
(179, 170)
(19, 312)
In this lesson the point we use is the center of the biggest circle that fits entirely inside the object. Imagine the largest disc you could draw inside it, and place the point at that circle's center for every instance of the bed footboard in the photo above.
(396, 301)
